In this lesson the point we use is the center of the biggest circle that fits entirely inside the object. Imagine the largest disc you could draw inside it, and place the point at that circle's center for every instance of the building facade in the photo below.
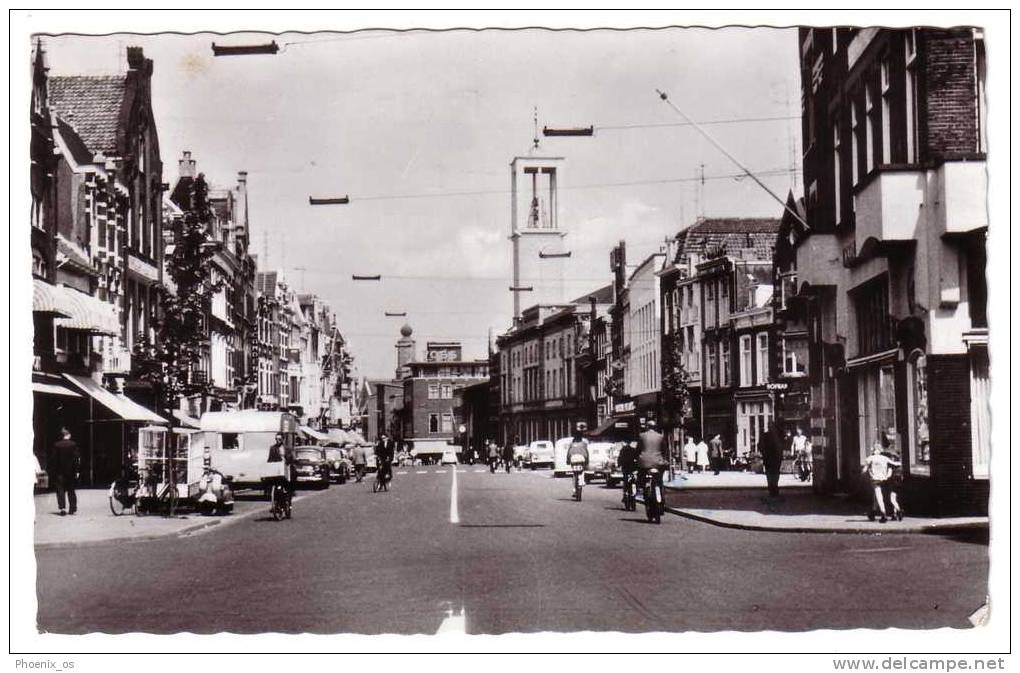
(428, 405)
(892, 270)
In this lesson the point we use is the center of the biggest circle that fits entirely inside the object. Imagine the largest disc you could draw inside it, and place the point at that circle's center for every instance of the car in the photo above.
(598, 459)
(541, 453)
(339, 464)
(311, 466)
(521, 453)
(42, 478)
(449, 457)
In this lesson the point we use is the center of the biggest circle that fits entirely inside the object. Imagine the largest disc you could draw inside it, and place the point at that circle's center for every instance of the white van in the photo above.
(541, 454)
(239, 444)
(598, 459)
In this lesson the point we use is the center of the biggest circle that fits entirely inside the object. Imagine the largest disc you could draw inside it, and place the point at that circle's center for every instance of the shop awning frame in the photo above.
(122, 406)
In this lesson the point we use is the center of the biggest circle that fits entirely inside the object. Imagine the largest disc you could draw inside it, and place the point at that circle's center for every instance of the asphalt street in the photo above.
(501, 553)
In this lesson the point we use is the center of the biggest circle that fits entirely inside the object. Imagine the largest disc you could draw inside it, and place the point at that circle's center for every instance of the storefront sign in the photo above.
(777, 386)
(623, 407)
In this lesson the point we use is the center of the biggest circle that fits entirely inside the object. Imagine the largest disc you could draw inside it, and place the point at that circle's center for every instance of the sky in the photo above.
(419, 130)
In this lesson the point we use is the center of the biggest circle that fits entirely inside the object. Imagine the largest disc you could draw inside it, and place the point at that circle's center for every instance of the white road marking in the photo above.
(422, 472)
(453, 623)
(404, 472)
(454, 514)
(462, 471)
(439, 472)
(479, 471)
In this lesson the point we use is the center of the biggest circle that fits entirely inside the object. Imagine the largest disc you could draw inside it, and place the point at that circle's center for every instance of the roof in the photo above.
(91, 104)
(75, 145)
(603, 295)
(742, 238)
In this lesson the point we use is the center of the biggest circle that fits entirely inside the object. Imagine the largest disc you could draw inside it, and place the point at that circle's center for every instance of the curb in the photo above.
(924, 530)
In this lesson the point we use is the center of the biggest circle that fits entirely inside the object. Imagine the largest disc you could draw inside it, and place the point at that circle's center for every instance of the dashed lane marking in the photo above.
(422, 472)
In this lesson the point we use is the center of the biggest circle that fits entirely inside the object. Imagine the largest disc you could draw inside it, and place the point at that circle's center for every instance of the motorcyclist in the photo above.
(652, 452)
(577, 452)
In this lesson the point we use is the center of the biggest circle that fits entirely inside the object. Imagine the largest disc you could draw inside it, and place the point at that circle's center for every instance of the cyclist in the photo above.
(384, 458)
(652, 453)
(627, 460)
(280, 452)
(577, 452)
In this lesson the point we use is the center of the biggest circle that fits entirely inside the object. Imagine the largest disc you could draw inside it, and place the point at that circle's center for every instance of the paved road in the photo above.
(523, 557)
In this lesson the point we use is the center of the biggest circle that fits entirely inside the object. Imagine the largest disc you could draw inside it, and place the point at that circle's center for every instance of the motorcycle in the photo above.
(654, 504)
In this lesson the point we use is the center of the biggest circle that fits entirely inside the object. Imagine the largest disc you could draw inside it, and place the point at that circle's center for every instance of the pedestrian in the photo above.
(879, 468)
(690, 453)
(772, 458)
(894, 483)
(702, 450)
(359, 459)
(63, 464)
(715, 452)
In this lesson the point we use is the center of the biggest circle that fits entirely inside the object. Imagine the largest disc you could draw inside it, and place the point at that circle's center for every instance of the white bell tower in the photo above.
(538, 252)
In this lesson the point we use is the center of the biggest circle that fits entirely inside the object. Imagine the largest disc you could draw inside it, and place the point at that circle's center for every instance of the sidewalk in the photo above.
(94, 522)
(739, 500)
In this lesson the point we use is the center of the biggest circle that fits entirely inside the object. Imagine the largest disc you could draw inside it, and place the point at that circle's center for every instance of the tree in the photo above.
(168, 361)
(676, 378)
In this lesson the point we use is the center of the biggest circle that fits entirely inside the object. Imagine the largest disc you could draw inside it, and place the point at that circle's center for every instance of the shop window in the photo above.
(876, 391)
(874, 327)
(917, 402)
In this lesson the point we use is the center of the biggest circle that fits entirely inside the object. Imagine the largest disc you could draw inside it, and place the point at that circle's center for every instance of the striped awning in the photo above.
(87, 313)
(120, 405)
(46, 298)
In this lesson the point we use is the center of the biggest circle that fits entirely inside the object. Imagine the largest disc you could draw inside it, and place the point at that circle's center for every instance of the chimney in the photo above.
(186, 165)
(137, 61)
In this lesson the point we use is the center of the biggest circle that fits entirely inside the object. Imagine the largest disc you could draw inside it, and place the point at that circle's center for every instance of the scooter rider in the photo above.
(578, 450)
(652, 454)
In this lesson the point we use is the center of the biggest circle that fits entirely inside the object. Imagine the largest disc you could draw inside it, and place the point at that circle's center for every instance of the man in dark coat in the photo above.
(772, 458)
(715, 452)
(62, 466)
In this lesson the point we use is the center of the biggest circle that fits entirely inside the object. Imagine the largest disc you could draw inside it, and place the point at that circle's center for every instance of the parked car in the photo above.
(521, 453)
(339, 464)
(42, 478)
(449, 457)
(541, 453)
(598, 459)
(614, 475)
(311, 466)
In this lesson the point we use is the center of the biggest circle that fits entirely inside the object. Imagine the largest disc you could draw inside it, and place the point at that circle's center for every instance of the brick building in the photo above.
(428, 406)
(891, 273)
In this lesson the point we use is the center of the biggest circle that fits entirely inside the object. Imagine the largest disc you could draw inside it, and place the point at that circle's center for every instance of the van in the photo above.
(239, 443)
(541, 454)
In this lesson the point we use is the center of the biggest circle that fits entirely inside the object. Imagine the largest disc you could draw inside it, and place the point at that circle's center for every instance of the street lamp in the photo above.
(357, 277)
(577, 131)
(395, 314)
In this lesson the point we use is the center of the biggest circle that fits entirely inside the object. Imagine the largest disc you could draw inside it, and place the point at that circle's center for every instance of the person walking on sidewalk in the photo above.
(878, 467)
(702, 451)
(772, 458)
(62, 466)
(715, 453)
(690, 454)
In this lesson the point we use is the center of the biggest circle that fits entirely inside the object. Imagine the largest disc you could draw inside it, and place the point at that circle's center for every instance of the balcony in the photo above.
(889, 207)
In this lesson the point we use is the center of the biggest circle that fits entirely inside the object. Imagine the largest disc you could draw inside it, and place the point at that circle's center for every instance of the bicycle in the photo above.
(578, 470)
(654, 505)
(383, 476)
(280, 502)
(630, 492)
(123, 494)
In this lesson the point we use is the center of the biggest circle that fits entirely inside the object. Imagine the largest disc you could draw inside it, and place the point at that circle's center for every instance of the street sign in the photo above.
(777, 386)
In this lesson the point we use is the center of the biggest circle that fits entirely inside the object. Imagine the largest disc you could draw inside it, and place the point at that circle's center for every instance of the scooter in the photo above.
(578, 470)
(654, 505)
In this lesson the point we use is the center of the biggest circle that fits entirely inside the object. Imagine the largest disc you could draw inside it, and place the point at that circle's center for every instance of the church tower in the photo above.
(538, 253)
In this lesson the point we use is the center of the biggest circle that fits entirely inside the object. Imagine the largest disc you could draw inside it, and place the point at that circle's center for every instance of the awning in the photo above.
(87, 313)
(126, 408)
(615, 426)
(186, 421)
(52, 389)
(313, 434)
(46, 298)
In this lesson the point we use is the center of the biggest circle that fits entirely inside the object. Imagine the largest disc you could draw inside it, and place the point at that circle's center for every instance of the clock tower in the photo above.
(535, 232)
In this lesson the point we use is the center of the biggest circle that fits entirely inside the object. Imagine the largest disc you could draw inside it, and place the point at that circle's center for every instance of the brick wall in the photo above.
(950, 90)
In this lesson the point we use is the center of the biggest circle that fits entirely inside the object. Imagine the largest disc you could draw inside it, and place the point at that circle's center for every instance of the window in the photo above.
(763, 359)
(447, 422)
(713, 372)
(724, 363)
(837, 159)
(869, 129)
(871, 304)
(433, 391)
(980, 421)
(745, 361)
(433, 423)
(230, 441)
(911, 95)
(886, 105)
(795, 355)
(854, 146)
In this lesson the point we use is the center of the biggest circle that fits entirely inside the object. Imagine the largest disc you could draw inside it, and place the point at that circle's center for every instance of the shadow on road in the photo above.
(502, 525)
